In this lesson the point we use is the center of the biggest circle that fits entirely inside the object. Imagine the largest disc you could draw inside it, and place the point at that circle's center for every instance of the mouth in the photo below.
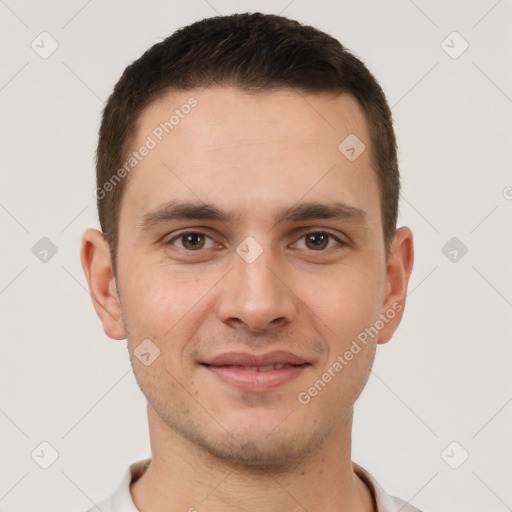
(251, 372)
(266, 368)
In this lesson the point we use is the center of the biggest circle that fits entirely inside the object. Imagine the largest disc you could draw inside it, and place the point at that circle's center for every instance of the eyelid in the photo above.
(310, 231)
(187, 232)
(313, 229)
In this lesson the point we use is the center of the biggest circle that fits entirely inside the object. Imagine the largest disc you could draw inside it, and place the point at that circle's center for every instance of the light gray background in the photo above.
(445, 376)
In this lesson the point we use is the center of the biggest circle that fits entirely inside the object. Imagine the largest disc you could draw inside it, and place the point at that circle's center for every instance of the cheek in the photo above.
(164, 307)
(344, 312)
(162, 304)
(347, 300)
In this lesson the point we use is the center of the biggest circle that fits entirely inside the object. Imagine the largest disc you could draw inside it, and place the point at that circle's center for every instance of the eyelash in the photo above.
(182, 235)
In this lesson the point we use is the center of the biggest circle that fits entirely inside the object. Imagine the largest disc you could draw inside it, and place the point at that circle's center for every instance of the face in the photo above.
(254, 289)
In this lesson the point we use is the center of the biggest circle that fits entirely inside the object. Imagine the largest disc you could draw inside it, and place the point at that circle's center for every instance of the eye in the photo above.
(195, 241)
(319, 240)
(192, 241)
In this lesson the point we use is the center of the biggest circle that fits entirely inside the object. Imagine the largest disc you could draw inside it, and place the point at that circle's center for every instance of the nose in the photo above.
(257, 295)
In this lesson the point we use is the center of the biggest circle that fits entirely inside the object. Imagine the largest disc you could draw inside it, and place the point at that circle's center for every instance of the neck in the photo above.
(191, 479)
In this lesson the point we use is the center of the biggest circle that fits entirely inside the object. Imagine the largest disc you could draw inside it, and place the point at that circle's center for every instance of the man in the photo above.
(247, 186)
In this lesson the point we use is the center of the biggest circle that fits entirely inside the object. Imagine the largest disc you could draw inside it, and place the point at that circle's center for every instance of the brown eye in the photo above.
(319, 240)
(191, 240)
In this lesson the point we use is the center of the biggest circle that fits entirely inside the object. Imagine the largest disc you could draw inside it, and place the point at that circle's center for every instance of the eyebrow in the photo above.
(187, 210)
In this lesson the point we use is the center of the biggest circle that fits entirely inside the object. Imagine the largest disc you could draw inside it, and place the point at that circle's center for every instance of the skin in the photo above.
(216, 447)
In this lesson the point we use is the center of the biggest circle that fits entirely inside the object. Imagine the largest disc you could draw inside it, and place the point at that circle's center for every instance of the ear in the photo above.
(399, 268)
(95, 256)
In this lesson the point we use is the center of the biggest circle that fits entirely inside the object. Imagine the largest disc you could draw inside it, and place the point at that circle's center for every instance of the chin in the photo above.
(262, 448)
(262, 454)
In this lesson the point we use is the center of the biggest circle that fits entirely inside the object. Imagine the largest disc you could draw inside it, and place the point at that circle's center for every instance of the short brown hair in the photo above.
(254, 52)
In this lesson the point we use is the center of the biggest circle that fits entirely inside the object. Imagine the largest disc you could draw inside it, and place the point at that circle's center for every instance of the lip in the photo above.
(248, 359)
(239, 369)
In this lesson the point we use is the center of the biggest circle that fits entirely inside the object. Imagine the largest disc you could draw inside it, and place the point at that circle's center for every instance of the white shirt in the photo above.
(121, 500)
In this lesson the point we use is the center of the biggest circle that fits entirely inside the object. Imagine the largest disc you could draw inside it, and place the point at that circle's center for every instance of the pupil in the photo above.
(192, 239)
(321, 239)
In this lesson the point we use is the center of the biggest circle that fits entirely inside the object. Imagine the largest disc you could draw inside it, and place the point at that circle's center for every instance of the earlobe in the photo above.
(399, 268)
(95, 257)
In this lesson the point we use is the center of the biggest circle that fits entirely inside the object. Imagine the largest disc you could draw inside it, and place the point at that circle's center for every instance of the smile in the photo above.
(257, 378)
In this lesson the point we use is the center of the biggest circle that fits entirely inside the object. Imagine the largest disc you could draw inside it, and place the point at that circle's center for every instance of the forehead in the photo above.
(252, 152)
(285, 113)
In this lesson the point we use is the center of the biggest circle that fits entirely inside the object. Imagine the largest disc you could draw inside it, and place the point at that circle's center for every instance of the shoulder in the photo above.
(384, 501)
(121, 499)
(403, 506)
